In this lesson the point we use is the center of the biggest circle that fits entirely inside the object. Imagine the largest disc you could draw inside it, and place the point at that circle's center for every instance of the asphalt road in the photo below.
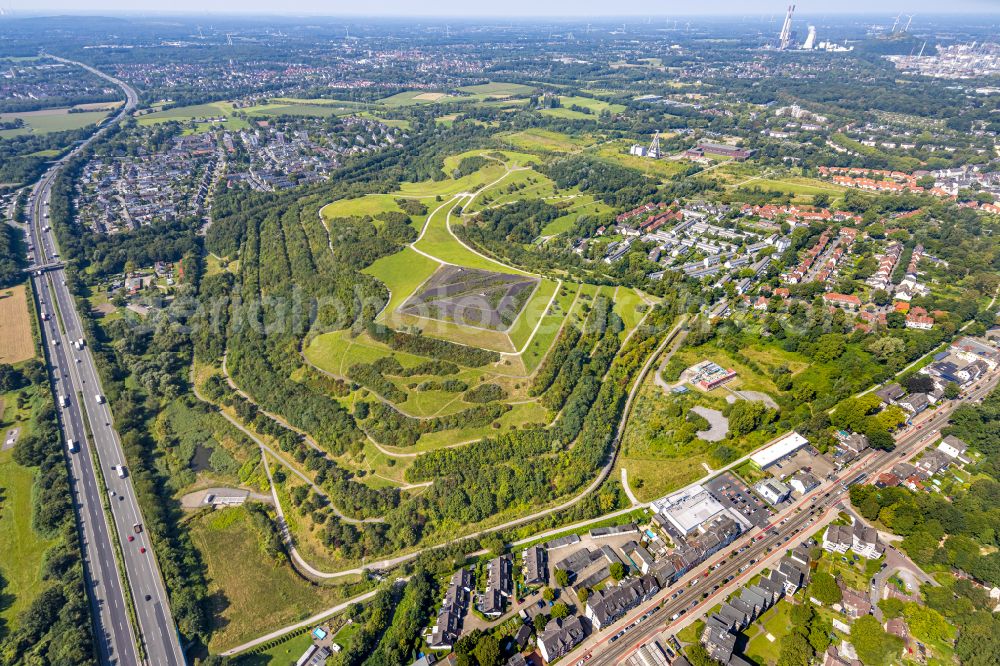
(789, 528)
(75, 383)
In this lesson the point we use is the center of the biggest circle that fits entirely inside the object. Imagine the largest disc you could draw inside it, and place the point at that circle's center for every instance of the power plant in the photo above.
(785, 38)
(810, 42)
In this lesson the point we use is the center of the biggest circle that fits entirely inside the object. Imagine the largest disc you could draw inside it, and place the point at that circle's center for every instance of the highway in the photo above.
(684, 600)
(87, 422)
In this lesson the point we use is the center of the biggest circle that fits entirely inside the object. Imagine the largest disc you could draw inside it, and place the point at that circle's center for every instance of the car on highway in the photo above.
(131, 538)
(142, 549)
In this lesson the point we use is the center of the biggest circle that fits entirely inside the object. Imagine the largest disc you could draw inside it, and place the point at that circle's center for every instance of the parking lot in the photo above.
(808, 459)
(734, 495)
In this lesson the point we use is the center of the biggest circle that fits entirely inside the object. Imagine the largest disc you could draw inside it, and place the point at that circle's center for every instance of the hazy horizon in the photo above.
(513, 8)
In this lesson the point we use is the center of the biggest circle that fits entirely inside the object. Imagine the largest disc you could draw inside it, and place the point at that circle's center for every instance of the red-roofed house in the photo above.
(846, 301)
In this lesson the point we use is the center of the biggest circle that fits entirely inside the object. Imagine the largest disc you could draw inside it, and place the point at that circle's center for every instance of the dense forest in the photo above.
(12, 256)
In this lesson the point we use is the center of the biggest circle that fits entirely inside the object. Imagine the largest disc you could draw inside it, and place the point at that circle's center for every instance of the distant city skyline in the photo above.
(509, 9)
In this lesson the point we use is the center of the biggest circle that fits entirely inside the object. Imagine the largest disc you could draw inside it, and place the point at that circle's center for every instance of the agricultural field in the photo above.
(496, 90)
(414, 97)
(227, 536)
(594, 106)
(51, 120)
(198, 111)
(542, 140)
(317, 108)
(16, 341)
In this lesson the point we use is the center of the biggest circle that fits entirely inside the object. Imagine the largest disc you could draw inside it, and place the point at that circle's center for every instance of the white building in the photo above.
(858, 537)
(838, 538)
(785, 446)
(773, 491)
(955, 448)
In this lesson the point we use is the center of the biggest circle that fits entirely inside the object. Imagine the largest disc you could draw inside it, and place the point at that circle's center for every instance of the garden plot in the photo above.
(472, 297)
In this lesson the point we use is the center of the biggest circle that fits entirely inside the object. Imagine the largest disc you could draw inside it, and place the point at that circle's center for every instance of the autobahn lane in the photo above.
(75, 375)
(113, 632)
(790, 527)
(152, 604)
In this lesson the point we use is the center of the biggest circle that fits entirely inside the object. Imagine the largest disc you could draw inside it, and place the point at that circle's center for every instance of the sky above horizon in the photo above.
(509, 8)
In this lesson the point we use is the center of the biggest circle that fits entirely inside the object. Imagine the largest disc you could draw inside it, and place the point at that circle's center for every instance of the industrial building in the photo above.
(785, 446)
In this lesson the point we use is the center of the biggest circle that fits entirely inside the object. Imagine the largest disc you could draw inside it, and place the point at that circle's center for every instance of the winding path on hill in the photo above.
(260, 443)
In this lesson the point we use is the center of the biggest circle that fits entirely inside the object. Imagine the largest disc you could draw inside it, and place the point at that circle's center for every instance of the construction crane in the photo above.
(785, 38)
(921, 54)
(908, 22)
(895, 23)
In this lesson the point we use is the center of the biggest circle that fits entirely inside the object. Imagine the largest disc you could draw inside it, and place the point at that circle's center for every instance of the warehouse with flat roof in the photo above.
(787, 445)
(688, 508)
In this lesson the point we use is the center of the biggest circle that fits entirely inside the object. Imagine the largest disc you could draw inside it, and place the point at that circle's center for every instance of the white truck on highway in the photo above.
(99, 398)
(120, 470)
(78, 344)
(73, 447)
(63, 401)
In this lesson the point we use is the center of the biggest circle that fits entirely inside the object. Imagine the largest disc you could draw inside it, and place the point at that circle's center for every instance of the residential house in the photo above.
(606, 606)
(642, 559)
(890, 394)
(933, 462)
(838, 538)
(865, 541)
(536, 566)
(802, 482)
(559, 637)
(499, 586)
(848, 302)
(915, 403)
(719, 643)
(448, 625)
(954, 448)
(854, 603)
